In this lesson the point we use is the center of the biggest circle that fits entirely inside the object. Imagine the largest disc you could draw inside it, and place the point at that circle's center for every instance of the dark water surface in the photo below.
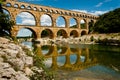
(82, 61)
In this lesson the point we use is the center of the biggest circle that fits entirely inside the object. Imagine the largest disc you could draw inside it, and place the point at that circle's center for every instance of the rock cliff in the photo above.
(14, 63)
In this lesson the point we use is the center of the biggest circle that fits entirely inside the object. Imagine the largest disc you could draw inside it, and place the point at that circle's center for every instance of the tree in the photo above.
(91, 25)
(1, 11)
(5, 25)
(74, 26)
(5, 22)
(109, 22)
(1, 1)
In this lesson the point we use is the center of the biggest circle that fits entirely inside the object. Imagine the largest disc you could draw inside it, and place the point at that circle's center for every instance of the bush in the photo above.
(91, 38)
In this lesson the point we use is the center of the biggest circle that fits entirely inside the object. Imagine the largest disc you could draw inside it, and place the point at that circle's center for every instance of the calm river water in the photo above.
(81, 61)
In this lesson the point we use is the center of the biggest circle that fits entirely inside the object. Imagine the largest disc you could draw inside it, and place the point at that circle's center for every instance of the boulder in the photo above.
(4, 40)
(17, 63)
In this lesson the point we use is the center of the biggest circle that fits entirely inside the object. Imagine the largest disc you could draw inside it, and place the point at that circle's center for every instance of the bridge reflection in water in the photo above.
(68, 58)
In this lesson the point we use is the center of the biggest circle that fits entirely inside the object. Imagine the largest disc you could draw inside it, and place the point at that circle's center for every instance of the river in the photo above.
(81, 61)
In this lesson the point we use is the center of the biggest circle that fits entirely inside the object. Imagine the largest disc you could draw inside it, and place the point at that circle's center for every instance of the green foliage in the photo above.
(83, 26)
(1, 11)
(38, 61)
(91, 38)
(60, 33)
(2, 0)
(108, 41)
(45, 33)
(5, 24)
(109, 22)
(91, 25)
(74, 26)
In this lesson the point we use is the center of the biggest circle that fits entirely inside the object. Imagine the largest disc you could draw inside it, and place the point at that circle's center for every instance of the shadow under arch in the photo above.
(62, 33)
(47, 33)
(74, 50)
(74, 33)
(62, 50)
(83, 33)
(26, 18)
(49, 49)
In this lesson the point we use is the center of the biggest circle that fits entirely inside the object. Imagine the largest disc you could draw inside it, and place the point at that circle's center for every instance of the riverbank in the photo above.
(113, 39)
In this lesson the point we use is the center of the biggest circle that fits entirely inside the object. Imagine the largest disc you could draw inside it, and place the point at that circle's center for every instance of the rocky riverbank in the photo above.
(113, 38)
(15, 64)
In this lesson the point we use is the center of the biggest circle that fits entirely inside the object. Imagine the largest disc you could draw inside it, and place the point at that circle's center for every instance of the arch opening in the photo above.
(8, 5)
(61, 50)
(83, 56)
(25, 18)
(45, 49)
(73, 58)
(26, 34)
(83, 24)
(83, 33)
(16, 6)
(29, 7)
(45, 20)
(73, 23)
(47, 33)
(74, 33)
(74, 50)
(62, 33)
(35, 8)
(60, 22)
(22, 7)
(61, 60)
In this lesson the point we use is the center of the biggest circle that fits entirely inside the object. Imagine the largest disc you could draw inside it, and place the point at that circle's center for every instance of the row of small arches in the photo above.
(48, 33)
(26, 18)
(46, 20)
(50, 11)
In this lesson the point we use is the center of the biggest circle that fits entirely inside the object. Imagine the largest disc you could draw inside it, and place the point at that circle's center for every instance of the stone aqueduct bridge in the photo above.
(14, 8)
